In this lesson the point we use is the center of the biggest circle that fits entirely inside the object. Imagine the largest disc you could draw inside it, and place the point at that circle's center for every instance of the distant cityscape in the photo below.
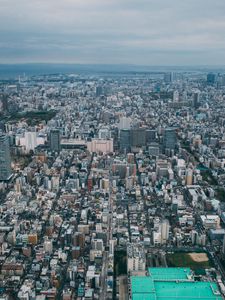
(112, 183)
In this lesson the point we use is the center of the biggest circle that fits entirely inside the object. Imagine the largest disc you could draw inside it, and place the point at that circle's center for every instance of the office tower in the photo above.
(55, 140)
(138, 137)
(223, 80)
(175, 96)
(4, 102)
(170, 138)
(211, 78)
(5, 159)
(150, 135)
(165, 226)
(30, 140)
(168, 77)
(196, 100)
(189, 177)
(99, 91)
(125, 140)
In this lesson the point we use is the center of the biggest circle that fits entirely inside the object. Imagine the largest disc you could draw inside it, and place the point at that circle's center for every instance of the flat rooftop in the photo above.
(170, 273)
(172, 283)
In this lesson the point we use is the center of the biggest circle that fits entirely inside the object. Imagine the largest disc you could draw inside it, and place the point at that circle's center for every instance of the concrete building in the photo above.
(125, 141)
(100, 145)
(170, 138)
(165, 226)
(136, 260)
(124, 123)
(54, 139)
(5, 159)
(138, 137)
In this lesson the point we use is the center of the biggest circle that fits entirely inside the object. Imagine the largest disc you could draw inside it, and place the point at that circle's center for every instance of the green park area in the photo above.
(195, 261)
(33, 117)
(120, 262)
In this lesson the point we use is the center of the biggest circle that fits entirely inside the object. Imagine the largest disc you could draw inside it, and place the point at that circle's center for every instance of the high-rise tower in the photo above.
(55, 140)
(5, 159)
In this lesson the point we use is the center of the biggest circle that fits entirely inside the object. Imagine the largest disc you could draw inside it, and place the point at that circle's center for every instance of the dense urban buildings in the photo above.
(112, 185)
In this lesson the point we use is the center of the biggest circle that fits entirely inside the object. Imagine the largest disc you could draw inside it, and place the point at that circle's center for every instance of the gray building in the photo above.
(196, 100)
(153, 149)
(125, 140)
(138, 137)
(170, 138)
(5, 159)
(54, 140)
(150, 135)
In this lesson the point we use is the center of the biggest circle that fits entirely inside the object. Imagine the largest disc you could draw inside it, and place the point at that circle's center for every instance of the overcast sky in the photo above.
(146, 32)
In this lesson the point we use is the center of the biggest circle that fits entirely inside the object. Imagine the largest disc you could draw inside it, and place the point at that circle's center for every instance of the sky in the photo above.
(138, 32)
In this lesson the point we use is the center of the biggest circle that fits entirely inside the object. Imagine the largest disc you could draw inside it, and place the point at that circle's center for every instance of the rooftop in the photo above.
(172, 283)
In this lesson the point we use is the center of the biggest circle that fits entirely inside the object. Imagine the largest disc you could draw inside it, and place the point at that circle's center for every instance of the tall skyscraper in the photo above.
(5, 159)
(196, 100)
(55, 140)
(30, 140)
(168, 77)
(150, 135)
(170, 138)
(125, 140)
(4, 102)
(176, 96)
(138, 137)
(165, 226)
(99, 91)
(211, 78)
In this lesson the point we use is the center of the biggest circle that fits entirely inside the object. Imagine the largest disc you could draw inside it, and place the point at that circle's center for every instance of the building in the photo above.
(176, 96)
(168, 77)
(211, 78)
(104, 133)
(136, 259)
(170, 138)
(162, 167)
(3, 102)
(100, 145)
(150, 135)
(5, 159)
(189, 176)
(153, 149)
(172, 283)
(30, 140)
(210, 221)
(165, 226)
(125, 140)
(138, 137)
(124, 123)
(196, 100)
(54, 140)
(97, 244)
(99, 91)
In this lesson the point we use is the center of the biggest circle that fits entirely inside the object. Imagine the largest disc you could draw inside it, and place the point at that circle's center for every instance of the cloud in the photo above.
(113, 31)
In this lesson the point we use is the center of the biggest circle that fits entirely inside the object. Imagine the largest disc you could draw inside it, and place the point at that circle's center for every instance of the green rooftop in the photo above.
(170, 273)
(143, 284)
(172, 283)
